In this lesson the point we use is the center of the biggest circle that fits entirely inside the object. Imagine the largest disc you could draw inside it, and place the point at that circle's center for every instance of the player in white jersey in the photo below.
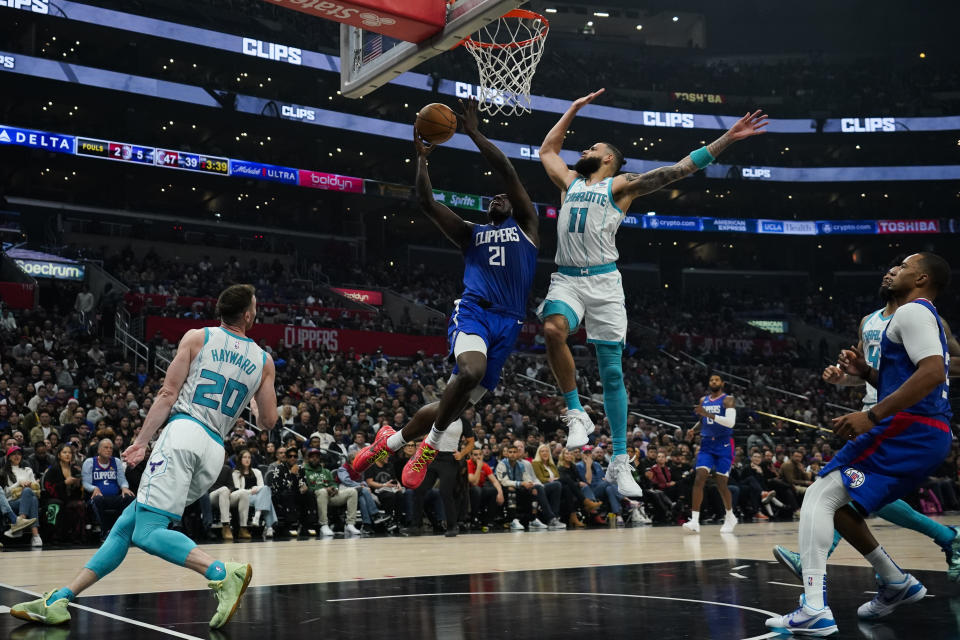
(215, 374)
(899, 512)
(587, 286)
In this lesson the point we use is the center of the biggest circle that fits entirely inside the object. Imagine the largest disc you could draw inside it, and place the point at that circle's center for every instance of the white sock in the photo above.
(885, 567)
(815, 588)
(695, 517)
(433, 438)
(396, 442)
(731, 515)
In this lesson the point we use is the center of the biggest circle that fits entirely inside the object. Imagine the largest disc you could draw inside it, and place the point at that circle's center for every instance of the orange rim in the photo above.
(516, 13)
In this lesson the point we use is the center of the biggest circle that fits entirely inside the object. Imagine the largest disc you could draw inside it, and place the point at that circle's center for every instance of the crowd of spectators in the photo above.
(70, 403)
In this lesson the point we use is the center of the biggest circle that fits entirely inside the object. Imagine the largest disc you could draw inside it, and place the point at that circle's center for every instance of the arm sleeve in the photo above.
(121, 475)
(917, 329)
(728, 419)
(86, 474)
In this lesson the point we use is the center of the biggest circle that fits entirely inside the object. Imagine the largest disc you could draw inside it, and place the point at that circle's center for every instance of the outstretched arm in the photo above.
(557, 169)
(453, 226)
(523, 209)
(628, 186)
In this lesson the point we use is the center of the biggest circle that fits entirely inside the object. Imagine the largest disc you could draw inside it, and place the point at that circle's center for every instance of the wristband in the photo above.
(872, 416)
(701, 157)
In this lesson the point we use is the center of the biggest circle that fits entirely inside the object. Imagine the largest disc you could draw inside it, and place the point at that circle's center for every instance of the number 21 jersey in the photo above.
(499, 266)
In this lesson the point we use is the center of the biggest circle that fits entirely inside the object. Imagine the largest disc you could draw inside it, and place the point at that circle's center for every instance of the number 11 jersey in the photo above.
(587, 225)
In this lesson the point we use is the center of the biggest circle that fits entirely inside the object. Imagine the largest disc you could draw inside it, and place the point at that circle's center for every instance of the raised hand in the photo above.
(423, 147)
(579, 103)
(469, 119)
(751, 124)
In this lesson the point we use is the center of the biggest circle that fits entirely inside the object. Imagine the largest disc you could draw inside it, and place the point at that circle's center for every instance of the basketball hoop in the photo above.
(507, 52)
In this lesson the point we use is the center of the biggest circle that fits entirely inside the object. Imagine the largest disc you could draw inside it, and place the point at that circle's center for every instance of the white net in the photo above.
(507, 52)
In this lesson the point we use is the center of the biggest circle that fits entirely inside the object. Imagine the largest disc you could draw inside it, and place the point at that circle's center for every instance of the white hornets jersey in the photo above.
(871, 335)
(223, 378)
(587, 225)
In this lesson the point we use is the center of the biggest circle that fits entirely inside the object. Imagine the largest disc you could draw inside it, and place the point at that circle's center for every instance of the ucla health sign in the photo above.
(53, 270)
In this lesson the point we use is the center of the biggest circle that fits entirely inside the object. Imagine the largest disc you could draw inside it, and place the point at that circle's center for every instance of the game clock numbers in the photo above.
(192, 162)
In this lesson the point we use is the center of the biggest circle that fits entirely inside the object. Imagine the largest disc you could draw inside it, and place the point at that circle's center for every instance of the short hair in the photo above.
(617, 156)
(233, 301)
(937, 269)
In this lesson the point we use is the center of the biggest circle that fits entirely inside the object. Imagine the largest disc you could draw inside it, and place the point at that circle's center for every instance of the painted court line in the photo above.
(743, 566)
(737, 575)
(145, 625)
(567, 593)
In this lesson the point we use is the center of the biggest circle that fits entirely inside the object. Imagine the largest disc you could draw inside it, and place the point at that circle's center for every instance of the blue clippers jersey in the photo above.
(499, 268)
(708, 427)
(896, 367)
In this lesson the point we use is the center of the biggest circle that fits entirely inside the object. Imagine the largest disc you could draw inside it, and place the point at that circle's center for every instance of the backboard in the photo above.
(370, 60)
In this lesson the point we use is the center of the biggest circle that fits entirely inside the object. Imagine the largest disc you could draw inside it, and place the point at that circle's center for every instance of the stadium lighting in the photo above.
(675, 18)
(651, 213)
(601, 14)
(550, 10)
(923, 55)
(590, 23)
(639, 27)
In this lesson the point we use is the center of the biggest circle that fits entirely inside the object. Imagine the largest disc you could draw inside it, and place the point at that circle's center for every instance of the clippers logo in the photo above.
(298, 113)
(855, 478)
(271, 51)
(660, 119)
(8, 62)
(755, 172)
(36, 6)
(867, 125)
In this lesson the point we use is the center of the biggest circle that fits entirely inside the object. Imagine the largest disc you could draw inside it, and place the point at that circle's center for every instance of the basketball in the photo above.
(436, 123)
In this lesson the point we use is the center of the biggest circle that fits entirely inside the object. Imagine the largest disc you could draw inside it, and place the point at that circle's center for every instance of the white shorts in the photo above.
(183, 466)
(597, 301)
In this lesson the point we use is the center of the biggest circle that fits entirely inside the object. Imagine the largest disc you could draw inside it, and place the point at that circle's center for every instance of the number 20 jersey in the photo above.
(587, 225)
(223, 378)
(499, 266)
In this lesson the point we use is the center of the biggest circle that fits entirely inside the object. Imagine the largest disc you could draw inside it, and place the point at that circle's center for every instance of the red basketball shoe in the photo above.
(416, 468)
(368, 455)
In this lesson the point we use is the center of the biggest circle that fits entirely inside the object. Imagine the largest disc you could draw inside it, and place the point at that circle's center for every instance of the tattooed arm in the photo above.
(628, 186)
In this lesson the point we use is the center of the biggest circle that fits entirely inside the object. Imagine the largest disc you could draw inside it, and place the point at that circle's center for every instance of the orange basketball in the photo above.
(436, 123)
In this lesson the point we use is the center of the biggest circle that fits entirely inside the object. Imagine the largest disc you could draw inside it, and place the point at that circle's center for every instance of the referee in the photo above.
(445, 468)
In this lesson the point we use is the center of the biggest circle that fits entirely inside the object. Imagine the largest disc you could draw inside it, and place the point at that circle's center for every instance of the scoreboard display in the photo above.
(192, 162)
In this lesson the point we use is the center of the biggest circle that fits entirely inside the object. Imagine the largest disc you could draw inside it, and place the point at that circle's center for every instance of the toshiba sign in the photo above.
(410, 21)
(908, 226)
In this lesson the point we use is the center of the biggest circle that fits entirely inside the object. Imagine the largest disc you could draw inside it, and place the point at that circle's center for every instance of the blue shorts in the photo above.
(498, 331)
(892, 459)
(715, 454)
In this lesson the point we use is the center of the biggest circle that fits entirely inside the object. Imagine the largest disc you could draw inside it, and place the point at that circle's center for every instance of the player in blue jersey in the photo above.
(897, 512)
(587, 287)
(500, 260)
(717, 417)
(893, 447)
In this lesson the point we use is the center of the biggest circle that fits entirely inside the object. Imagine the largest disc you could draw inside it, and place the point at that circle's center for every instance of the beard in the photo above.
(587, 166)
(885, 294)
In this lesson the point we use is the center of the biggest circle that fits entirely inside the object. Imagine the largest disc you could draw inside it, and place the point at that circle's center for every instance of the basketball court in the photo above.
(618, 583)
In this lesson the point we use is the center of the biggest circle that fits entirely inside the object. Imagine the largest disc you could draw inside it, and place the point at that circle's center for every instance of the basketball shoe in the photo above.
(806, 621)
(619, 473)
(229, 591)
(416, 468)
(952, 551)
(891, 596)
(789, 559)
(580, 426)
(369, 455)
(39, 611)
